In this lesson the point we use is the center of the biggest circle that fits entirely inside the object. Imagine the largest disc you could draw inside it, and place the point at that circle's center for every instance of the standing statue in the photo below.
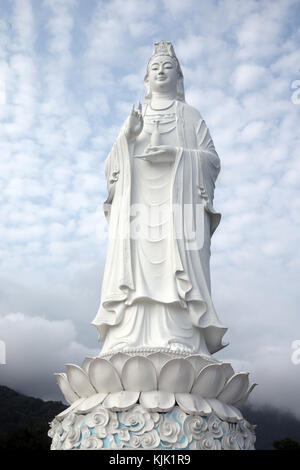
(161, 175)
(155, 383)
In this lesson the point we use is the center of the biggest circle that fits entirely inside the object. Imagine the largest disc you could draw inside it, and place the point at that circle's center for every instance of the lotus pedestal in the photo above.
(152, 400)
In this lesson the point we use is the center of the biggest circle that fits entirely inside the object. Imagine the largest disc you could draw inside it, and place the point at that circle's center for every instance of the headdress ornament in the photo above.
(163, 47)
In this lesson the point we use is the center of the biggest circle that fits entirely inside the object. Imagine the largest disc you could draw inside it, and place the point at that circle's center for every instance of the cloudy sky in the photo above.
(69, 72)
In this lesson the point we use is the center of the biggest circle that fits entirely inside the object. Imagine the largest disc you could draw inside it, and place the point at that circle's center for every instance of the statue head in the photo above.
(163, 51)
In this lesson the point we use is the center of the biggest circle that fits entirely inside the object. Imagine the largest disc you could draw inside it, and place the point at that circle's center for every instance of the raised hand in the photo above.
(134, 125)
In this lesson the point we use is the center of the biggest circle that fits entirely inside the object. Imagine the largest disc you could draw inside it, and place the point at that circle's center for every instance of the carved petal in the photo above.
(88, 404)
(118, 360)
(237, 412)
(228, 369)
(121, 400)
(86, 364)
(79, 381)
(104, 376)
(177, 375)
(139, 374)
(242, 400)
(224, 411)
(210, 381)
(65, 412)
(66, 388)
(157, 400)
(199, 362)
(235, 388)
(158, 359)
(193, 404)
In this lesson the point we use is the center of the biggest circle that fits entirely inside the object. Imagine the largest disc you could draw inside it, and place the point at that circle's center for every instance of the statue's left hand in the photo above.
(159, 153)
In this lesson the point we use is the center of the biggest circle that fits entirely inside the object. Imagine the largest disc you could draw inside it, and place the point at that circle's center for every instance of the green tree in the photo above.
(286, 444)
(27, 439)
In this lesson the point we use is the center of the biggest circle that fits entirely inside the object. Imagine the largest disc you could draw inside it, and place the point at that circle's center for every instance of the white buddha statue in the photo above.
(161, 175)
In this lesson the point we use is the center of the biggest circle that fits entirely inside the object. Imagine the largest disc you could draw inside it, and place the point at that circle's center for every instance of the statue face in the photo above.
(162, 73)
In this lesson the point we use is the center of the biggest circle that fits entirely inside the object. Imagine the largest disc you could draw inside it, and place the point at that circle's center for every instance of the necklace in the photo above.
(162, 109)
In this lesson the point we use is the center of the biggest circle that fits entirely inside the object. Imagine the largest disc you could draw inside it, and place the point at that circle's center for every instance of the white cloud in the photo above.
(277, 378)
(261, 33)
(23, 25)
(190, 48)
(36, 348)
(248, 76)
(68, 76)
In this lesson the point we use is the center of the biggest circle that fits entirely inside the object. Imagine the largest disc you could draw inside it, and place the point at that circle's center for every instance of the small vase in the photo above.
(155, 137)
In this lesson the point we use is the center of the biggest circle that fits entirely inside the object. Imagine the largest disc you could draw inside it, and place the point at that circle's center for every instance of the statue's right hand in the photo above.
(134, 124)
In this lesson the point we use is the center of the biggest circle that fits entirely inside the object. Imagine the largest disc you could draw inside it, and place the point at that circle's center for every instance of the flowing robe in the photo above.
(192, 182)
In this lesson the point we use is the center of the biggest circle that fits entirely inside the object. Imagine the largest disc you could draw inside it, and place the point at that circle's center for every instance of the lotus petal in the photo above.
(199, 362)
(236, 412)
(228, 369)
(88, 404)
(68, 410)
(242, 400)
(176, 376)
(210, 381)
(121, 400)
(224, 411)
(139, 374)
(193, 404)
(66, 388)
(118, 360)
(235, 388)
(86, 364)
(158, 359)
(157, 400)
(104, 376)
(79, 381)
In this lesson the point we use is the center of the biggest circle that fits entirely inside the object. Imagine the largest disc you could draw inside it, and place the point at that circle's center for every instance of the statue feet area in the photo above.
(152, 399)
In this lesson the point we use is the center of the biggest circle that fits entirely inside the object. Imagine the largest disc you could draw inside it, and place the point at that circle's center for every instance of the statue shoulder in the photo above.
(191, 113)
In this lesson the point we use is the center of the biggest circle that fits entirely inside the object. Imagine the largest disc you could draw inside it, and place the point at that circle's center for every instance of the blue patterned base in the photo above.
(138, 428)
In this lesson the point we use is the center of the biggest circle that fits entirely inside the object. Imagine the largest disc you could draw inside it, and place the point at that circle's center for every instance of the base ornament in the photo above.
(152, 400)
(139, 429)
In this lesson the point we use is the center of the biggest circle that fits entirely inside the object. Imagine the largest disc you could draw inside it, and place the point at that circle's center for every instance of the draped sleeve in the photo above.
(209, 169)
(112, 171)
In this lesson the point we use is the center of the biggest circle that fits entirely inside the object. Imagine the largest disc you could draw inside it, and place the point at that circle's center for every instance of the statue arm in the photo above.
(111, 174)
(115, 163)
(206, 145)
(209, 168)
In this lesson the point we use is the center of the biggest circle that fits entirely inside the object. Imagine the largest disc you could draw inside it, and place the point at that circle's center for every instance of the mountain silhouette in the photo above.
(24, 422)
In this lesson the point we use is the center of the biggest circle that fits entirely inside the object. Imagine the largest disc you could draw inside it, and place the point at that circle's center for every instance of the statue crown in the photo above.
(163, 47)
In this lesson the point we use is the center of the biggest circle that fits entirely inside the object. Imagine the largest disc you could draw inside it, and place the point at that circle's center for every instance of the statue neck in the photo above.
(161, 100)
